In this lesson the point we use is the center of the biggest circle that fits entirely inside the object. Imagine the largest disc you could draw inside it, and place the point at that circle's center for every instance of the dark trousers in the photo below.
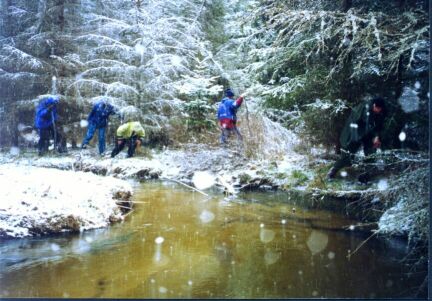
(225, 133)
(348, 152)
(44, 140)
(121, 143)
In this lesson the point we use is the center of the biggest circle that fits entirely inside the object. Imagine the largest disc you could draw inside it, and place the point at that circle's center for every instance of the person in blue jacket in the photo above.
(98, 119)
(227, 115)
(45, 122)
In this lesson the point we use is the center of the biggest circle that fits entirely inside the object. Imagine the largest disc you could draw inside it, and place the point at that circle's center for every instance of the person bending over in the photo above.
(131, 134)
(363, 128)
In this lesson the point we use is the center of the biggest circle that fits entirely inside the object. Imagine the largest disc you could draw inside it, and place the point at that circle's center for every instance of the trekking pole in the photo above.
(54, 129)
(247, 112)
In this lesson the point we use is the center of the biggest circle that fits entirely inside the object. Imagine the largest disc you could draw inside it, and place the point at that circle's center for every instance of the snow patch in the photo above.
(47, 200)
(395, 220)
(382, 184)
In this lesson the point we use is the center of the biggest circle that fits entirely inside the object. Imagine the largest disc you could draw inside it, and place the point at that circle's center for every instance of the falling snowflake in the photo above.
(14, 151)
(266, 236)
(382, 184)
(21, 127)
(55, 247)
(409, 100)
(317, 242)
(83, 123)
(203, 180)
(206, 216)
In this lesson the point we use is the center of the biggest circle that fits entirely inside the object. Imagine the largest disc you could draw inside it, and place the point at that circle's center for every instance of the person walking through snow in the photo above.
(98, 119)
(130, 133)
(227, 116)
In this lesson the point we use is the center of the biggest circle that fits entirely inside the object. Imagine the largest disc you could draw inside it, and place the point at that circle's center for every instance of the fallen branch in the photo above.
(188, 186)
(365, 241)
(124, 207)
(137, 202)
(127, 214)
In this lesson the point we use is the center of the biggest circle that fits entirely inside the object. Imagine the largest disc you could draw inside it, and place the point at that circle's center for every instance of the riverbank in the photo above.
(39, 201)
(230, 172)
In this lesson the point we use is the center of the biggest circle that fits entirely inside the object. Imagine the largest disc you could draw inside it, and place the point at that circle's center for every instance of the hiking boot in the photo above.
(331, 174)
(62, 150)
(84, 146)
(363, 178)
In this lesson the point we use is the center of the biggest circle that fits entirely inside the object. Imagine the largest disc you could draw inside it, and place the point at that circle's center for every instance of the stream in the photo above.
(180, 244)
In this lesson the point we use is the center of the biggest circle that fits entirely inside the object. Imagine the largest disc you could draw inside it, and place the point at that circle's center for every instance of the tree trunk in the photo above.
(401, 4)
(5, 27)
(346, 5)
(399, 78)
(61, 17)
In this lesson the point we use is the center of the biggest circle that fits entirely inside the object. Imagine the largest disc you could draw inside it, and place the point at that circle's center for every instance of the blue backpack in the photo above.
(226, 109)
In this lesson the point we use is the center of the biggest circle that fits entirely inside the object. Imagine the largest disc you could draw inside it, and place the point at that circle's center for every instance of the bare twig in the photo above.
(365, 241)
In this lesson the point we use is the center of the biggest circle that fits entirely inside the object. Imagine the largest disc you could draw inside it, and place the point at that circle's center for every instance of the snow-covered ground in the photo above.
(43, 200)
(79, 191)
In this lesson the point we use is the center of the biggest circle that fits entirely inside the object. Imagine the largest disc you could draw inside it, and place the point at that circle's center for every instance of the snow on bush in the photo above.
(41, 200)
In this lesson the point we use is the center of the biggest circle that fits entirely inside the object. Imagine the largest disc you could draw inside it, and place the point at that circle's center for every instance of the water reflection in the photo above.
(176, 246)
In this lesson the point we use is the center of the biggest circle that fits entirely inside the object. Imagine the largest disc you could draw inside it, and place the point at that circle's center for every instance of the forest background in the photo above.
(303, 64)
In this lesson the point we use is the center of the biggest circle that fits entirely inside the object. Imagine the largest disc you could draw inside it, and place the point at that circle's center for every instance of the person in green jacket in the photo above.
(363, 127)
(130, 133)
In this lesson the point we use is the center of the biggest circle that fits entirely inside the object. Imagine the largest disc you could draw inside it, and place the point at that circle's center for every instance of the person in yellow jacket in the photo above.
(130, 133)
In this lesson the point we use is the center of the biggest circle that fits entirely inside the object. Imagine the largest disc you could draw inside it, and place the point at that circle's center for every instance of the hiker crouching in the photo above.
(363, 128)
(130, 134)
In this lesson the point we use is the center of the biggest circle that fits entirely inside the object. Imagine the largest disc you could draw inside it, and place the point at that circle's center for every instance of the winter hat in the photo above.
(52, 100)
(229, 92)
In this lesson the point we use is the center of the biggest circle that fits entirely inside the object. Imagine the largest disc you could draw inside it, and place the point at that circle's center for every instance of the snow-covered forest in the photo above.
(303, 66)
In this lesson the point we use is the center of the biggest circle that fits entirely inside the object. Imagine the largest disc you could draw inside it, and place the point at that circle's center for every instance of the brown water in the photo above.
(216, 248)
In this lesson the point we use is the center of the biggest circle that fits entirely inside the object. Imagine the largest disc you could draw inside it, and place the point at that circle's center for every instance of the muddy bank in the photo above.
(232, 171)
(229, 171)
(178, 164)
